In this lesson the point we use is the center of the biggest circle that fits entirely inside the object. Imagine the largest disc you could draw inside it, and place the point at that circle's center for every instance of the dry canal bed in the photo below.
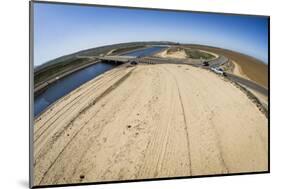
(149, 121)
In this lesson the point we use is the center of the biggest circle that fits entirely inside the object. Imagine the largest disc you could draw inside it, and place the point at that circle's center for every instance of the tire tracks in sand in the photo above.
(72, 99)
(185, 121)
(162, 121)
(93, 102)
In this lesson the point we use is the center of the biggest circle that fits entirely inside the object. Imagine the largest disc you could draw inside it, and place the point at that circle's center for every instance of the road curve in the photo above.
(248, 83)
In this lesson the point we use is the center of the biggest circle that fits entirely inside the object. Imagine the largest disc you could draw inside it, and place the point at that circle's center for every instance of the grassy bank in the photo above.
(59, 69)
(126, 49)
(197, 54)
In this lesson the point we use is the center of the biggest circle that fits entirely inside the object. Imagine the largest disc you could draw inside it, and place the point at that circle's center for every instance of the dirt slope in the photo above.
(149, 121)
(254, 69)
(176, 54)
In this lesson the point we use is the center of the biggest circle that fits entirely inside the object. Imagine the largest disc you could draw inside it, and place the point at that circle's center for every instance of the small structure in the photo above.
(206, 63)
(133, 62)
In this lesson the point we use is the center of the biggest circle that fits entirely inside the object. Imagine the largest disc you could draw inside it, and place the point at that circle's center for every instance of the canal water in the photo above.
(67, 84)
(144, 52)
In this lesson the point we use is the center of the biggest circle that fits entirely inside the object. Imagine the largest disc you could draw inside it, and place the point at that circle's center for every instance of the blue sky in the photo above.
(63, 29)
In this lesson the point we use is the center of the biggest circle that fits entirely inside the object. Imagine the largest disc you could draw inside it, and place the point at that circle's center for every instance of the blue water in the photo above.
(144, 52)
(67, 84)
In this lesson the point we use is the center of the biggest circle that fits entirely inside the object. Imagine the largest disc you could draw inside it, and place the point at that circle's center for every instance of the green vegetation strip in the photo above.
(126, 49)
(58, 69)
(197, 54)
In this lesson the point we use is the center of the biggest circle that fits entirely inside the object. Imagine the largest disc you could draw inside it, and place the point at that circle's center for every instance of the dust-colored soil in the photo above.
(149, 121)
(180, 54)
(254, 69)
(237, 70)
(261, 97)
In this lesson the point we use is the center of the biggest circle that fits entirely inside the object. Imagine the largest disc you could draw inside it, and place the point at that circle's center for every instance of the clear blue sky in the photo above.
(64, 29)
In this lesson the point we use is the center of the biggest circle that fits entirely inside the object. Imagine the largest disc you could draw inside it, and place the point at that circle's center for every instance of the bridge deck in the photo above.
(117, 58)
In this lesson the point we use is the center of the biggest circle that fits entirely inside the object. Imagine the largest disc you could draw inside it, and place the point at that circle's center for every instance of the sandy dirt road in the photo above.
(149, 121)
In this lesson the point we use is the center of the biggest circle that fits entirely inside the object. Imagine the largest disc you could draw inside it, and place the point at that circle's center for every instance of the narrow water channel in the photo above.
(67, 84)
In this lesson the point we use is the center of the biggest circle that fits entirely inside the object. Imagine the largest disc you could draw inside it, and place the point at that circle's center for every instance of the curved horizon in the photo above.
(60, 29)
(261, 61)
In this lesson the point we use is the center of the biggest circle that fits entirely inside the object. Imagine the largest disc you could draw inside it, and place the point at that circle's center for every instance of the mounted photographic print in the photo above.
(120, 94)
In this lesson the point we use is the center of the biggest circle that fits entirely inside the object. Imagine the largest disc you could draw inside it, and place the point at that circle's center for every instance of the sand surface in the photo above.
(176, 54)
(238, 70)
(261, 97)
(149, 121)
